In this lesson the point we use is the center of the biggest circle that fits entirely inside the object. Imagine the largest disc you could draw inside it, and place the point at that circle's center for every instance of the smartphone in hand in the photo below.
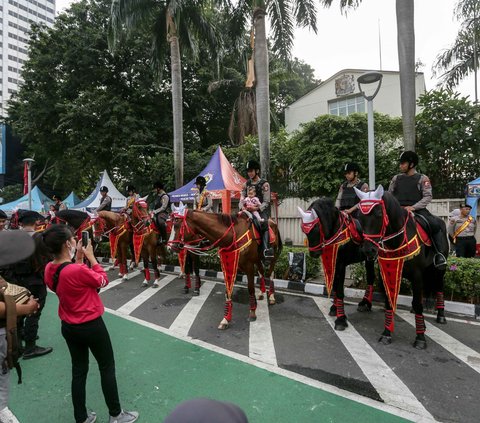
(85, 238)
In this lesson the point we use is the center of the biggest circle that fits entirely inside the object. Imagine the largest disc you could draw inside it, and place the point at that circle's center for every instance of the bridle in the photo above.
(339, 236)
(143, 219)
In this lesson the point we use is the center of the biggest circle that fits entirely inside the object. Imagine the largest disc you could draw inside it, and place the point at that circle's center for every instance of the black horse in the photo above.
(75, 219)
(325, 226)
(391, 232)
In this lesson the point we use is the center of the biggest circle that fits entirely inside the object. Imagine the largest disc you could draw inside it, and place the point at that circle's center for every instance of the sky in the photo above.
(352, 41)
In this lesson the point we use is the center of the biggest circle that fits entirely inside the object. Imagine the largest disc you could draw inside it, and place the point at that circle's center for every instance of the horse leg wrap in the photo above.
(440, 304)
(123, 269)
(146, 271)
(389, 322)
(340, 307)
(262, 285)
(420, 324)
(271, 287)
(188, 281)
(228, 310)
(368, 294)
(253, 302)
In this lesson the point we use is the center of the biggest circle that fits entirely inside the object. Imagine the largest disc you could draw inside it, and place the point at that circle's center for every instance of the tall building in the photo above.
(16, 16)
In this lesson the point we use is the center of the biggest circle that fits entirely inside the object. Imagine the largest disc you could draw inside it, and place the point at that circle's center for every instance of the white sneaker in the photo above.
(125, 417)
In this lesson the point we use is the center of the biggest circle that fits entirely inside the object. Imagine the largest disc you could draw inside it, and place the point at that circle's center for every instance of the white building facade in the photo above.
(340, 95)
(16, 16)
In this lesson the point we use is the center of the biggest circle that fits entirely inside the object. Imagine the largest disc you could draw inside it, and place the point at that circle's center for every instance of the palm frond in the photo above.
(280, 14)
(305, 12)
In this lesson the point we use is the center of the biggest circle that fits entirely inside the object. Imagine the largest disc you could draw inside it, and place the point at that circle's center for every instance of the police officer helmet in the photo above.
(351, 167)
(104, 189)
(158, 185)
(131, 188)
(3, 215)
(253, 165)
(409, 157)
(200, 181)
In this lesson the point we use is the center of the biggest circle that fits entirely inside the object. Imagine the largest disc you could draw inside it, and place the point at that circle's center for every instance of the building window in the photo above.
(347, 106)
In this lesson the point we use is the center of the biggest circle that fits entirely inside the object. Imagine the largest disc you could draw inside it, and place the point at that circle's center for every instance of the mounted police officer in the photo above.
(414, 192)
(132, 196)
(106, 201)
(262, 188)
(202, 199)
(161, 210)
(29, 274)
(347, 199)
(58, 203)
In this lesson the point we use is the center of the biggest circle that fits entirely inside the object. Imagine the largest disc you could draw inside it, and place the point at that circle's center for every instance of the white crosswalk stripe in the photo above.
(184, 321)
(452, 345)
(261, 346)
(137, 301)
(118, 281)
(388, 385)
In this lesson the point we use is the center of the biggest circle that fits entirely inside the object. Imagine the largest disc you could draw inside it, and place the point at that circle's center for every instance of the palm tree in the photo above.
(283, 15)
(171, 23)
(461, 59)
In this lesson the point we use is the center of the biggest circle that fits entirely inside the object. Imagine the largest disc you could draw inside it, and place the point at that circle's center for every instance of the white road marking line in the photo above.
(261, 346)
(388, 385)
(184, 321)
(137, 301)
(118, 281)
(282, 372)
(452, 345)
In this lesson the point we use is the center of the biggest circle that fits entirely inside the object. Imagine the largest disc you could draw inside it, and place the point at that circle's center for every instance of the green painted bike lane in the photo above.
(156, 372)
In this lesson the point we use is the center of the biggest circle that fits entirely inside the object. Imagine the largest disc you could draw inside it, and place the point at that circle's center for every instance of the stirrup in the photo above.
(439, 261)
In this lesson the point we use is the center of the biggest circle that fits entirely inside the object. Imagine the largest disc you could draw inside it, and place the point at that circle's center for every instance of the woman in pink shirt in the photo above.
(80, 310)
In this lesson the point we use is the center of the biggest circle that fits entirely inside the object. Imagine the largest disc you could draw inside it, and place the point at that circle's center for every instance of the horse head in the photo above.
(176, 242)
(98, 228)
(140, 212)
(373, 218)
(319, 223)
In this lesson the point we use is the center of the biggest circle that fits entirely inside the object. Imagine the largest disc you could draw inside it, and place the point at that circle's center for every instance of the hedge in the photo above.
(462, 279)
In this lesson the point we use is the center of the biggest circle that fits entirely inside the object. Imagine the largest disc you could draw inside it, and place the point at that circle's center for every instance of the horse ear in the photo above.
(174, 209)
(314, 214)
(360, 194)
(306, 216)
(378, 194)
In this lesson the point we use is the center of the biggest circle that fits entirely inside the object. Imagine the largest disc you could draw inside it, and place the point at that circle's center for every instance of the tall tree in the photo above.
(170, 22)
(283, 15)
(461, 59)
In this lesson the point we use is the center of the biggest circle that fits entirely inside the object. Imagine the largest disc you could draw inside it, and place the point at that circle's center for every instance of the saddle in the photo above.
(355, 230)
(257, 231)
(423, 230)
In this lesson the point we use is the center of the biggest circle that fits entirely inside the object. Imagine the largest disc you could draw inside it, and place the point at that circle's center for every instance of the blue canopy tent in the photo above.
(40, 202)
(71, 200)
(473, 195)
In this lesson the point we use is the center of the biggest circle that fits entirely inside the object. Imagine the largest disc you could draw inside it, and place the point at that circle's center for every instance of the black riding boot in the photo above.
(439, 260)
(267, 250)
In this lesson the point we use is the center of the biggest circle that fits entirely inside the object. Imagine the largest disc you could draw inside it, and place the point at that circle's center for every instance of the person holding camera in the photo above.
(80, 310)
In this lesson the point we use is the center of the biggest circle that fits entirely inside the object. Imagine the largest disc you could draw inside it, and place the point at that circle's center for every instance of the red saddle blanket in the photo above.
(258, 236)
(423, 235)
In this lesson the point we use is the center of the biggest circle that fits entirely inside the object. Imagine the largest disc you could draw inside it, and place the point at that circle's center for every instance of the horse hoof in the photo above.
(341, 324)
(155, 284)
(271, 300)
(120, 275)
(385, 340)
(365, 307)
(420, 344)
(442, 320)
(333, 311)
(196, 292)
(224, 324)
(186, 290)
(252, 318)
(125, 277)
(144, 284)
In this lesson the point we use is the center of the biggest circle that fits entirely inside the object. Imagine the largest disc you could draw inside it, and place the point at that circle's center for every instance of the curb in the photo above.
(470, 310)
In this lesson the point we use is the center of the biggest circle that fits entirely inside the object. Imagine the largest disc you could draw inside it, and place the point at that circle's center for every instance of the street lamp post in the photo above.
(29, 169)
(366, 79)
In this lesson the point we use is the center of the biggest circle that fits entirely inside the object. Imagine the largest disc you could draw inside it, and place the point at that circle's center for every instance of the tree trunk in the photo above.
(262, 90)
(177, 107)
(406, 59)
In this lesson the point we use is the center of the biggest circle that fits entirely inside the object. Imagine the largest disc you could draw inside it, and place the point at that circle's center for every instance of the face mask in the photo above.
(71, 250)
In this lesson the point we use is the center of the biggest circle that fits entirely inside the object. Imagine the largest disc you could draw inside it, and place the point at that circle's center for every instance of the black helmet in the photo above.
(131, 188)
(104, 189)
(351, 167)
(409, 156)
(158, 185)
(253, 165)
(200, 181)
(3, 215)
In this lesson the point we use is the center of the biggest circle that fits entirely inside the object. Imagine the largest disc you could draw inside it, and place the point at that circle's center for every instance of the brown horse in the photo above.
(237, 241)
(114, 225)
(145, 241)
